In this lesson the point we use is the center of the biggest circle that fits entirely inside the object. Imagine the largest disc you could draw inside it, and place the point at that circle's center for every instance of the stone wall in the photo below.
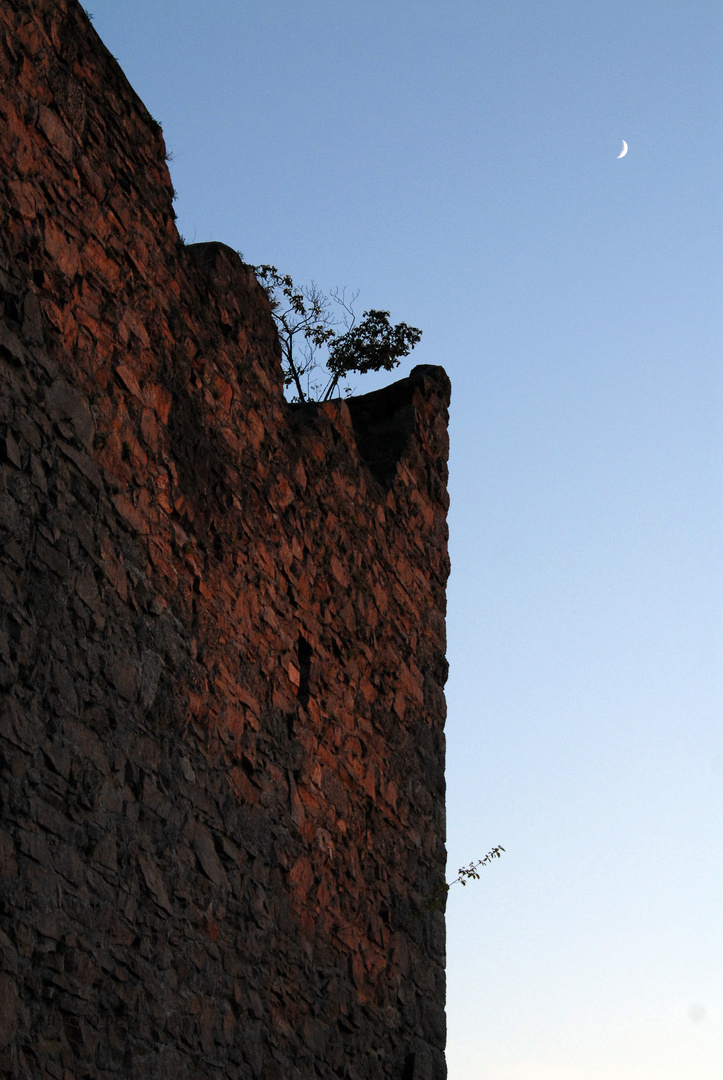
(222, 641)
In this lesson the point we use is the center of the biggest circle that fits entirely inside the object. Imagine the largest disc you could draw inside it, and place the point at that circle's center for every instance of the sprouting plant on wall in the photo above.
(464, 874)
(308, 321)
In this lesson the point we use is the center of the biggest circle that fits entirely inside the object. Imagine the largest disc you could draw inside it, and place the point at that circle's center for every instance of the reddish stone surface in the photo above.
(222, 642)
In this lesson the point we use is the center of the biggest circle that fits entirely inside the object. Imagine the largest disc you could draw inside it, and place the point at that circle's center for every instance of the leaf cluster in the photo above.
(373, 345)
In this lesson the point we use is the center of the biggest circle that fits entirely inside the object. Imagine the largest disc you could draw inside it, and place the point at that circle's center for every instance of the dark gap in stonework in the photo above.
(408, 1067)
(304, 655)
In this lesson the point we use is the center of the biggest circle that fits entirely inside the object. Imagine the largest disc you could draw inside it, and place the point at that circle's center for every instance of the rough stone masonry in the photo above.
(222, 642)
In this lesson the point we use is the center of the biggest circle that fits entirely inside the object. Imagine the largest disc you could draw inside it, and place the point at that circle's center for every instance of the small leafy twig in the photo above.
(464, 874)
(470, 873)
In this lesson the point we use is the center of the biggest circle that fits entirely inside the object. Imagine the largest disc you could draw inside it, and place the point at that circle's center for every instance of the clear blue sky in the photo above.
(457, 162)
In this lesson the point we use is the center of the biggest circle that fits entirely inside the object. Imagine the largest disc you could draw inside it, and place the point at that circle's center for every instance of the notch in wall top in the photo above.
(384, 420)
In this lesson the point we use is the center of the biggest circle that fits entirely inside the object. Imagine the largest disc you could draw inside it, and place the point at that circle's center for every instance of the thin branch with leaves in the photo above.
(464, 874)
(470, 873)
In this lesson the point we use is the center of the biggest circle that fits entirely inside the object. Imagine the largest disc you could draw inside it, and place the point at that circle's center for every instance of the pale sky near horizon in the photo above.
(458, 164)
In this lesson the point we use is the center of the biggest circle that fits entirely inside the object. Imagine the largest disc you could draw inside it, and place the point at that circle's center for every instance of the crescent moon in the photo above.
(624, 150)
